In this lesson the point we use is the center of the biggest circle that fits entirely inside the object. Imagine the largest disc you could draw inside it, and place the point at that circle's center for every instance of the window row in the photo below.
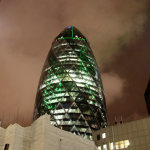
(65, 43)
(103, 136)
(117, 145)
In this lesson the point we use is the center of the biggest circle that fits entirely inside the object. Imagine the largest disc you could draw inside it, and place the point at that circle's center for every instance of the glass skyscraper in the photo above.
(70, 88)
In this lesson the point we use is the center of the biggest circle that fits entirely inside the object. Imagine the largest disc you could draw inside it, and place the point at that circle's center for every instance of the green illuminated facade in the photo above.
(70, 88)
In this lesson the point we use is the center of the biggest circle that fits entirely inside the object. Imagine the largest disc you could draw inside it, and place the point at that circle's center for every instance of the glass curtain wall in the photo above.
(70, 88)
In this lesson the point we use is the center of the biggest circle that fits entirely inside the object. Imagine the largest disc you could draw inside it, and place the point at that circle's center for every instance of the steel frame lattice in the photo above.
(70, 87)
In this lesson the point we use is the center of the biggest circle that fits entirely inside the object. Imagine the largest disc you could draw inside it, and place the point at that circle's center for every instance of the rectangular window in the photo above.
(98, 137)
(104, 135)
(121, 144)
(105, 147)
(117, 145)
(111, 146)
(6, 147)
(126, 143)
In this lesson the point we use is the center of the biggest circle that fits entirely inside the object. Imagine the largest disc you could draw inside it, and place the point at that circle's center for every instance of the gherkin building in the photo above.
(70, 87)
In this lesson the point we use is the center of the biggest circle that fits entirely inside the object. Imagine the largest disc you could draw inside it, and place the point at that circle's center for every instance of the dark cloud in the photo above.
(131, 63)
(114, 29)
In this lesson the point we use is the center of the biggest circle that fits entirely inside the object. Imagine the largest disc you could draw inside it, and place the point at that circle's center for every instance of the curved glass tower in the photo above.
(70, 88)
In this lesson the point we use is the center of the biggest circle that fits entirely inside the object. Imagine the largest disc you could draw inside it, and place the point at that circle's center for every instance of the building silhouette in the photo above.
(147, 97)
(70, 87)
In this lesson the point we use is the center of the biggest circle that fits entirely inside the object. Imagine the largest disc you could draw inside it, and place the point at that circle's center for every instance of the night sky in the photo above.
(119, 35)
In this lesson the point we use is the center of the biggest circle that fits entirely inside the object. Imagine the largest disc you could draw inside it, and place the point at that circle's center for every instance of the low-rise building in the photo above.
(41, 135)
(133, 135)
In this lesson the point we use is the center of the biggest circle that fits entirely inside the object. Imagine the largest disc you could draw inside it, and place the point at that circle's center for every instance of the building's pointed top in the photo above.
(72, 29)
(69, 27)
(71, 32)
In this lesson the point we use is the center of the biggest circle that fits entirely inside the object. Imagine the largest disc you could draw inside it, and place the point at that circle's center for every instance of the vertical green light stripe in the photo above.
(72, 31)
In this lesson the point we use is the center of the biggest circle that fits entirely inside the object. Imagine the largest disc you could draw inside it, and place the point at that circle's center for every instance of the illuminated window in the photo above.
(81, 85)
(54, 81)
(53, 122)
(59, 111)
(121, 144)
(126, 143)
(105, 147)
(117, 145)
(83, 129)
(42, 86)
(59, 117)
(58, 122)
(99, 147)
(74, 111)
(73, 59)
(111, 146)
(104, 135)
(72, 75)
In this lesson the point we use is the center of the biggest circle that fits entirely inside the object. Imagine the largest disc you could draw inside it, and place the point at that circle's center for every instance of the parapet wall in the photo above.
(41, 135)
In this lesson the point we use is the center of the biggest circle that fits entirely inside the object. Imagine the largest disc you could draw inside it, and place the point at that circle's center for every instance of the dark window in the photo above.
(98, 137)
(6, 146)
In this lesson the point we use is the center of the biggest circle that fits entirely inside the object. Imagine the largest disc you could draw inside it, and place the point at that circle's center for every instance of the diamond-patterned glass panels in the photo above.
(70, 88)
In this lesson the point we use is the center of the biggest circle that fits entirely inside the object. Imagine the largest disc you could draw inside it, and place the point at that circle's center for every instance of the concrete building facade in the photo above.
(133, 135)
(41, 135)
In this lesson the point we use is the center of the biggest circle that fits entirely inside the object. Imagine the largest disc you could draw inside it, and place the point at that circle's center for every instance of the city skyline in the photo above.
(119, 36)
